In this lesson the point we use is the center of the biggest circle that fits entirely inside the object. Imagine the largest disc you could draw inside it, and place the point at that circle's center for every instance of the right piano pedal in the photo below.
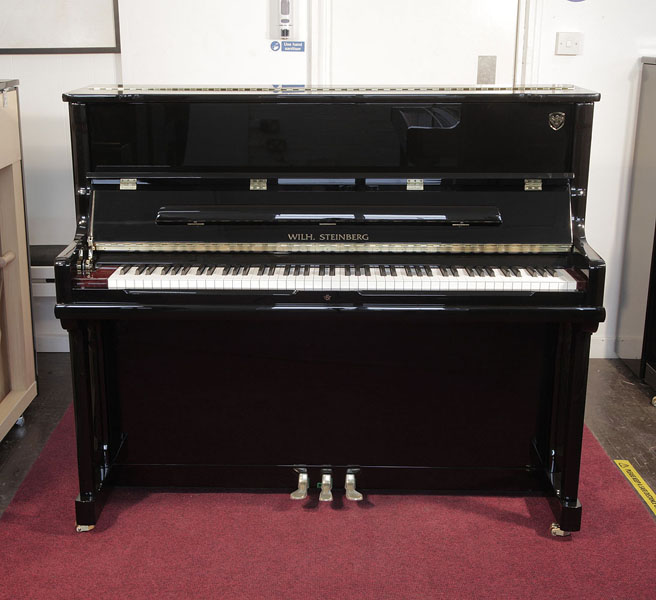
(349, 486)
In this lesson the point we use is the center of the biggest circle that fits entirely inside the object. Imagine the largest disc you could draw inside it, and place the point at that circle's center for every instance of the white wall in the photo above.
(46, 139)
(616, 34)
(206, 42)
(418, 42)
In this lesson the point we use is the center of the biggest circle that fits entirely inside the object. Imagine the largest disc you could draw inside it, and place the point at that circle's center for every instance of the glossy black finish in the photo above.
(477, 392)
(296, 137)
(466, 214)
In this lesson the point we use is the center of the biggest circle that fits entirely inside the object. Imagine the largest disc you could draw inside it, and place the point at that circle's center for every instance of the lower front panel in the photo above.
(237, 401)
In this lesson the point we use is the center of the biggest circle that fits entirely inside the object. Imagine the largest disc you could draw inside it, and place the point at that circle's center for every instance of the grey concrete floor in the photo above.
(619, 413)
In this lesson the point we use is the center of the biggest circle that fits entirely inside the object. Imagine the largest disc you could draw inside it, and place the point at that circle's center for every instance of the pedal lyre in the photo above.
(303, 485)
(349, 486)
(326, 494)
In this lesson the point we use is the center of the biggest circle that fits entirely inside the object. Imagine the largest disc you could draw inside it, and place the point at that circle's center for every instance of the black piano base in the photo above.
(417, 402)
(370, 480)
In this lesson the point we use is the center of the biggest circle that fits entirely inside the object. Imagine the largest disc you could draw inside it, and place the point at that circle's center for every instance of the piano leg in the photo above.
(569, 409)
(89, 419)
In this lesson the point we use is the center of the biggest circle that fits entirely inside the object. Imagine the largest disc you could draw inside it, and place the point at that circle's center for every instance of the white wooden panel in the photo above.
(57, 24)
(423, 41)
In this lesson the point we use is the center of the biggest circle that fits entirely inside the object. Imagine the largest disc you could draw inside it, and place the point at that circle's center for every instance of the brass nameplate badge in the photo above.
(328, 237)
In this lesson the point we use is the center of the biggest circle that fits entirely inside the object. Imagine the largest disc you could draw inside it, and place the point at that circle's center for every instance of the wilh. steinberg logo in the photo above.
(556, 120)
(328, 237)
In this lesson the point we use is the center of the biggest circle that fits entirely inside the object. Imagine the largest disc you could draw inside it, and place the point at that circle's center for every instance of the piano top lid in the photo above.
(272, 93)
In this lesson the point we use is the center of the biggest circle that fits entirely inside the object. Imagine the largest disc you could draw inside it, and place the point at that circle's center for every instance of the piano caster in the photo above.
(326, 494)
(349, 486)
(653, 401)
(556, 531)
(83, 528)
(303, 485)
(21, 420)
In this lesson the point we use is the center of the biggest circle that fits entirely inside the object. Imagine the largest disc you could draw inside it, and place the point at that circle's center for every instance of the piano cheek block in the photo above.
(395, 269)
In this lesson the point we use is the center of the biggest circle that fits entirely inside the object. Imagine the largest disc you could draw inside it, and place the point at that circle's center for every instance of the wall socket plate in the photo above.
(569, 43)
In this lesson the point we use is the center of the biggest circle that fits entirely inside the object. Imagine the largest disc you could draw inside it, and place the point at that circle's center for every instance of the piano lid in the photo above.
(336, 93)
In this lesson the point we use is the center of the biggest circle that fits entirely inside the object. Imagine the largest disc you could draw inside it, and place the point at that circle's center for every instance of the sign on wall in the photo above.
(59, 26)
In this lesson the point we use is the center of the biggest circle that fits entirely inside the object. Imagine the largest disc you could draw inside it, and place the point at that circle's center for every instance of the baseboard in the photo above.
(52, 342)
(602, 347)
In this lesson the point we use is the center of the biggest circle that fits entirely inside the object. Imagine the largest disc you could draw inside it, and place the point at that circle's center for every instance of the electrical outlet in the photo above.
(568, 43)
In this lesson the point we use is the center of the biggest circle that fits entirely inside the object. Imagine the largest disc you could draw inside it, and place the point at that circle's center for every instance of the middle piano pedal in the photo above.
(326, 494)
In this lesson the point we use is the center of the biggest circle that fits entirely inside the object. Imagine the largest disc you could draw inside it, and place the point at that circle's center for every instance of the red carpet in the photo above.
(210, 545)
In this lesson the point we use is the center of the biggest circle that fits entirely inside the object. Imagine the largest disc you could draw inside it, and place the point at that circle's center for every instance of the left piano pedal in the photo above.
(303, 485)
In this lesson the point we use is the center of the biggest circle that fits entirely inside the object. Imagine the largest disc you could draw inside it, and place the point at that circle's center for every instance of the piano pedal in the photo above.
(326, 494)
(349, 486)
(303, 485)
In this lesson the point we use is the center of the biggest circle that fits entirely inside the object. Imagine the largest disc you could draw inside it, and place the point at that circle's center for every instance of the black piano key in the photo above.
(331, 271)
(490, 271)
(297, 270)
(515, 271)
(392, 271)
(236, 270)
(382, 271)
(454, 271)
(272, 270)
(306, 270)
(506, 271)
(445, 271)
(246, 270)
(150, 270)
(176, 269)
(481, 271)
(226, 270)
(210, 270)
(531, 271)
(367, 271)
(551, 271)
(125, 269)
(470, 271)
(185, 270)
(357, 271)
(288, 268)
(260, 271)
(141, 269)
(347, 270)
(322, 270)
(201, 270)
(541, 271)
(408, 271)
(166, 269)
(428, 270)
(418, 272)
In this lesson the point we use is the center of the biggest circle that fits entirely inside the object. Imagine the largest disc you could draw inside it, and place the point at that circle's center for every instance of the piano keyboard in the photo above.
(342, 278)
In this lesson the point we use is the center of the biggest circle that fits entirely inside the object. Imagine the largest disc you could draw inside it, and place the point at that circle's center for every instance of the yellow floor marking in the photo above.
(637, 482)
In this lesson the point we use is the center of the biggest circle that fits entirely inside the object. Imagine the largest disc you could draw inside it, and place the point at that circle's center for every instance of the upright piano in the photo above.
(373, 289)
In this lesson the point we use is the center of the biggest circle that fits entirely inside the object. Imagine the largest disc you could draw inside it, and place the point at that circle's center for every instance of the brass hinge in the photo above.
(258, 185)
(414, 185)
(532, 185)
(128, 184)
